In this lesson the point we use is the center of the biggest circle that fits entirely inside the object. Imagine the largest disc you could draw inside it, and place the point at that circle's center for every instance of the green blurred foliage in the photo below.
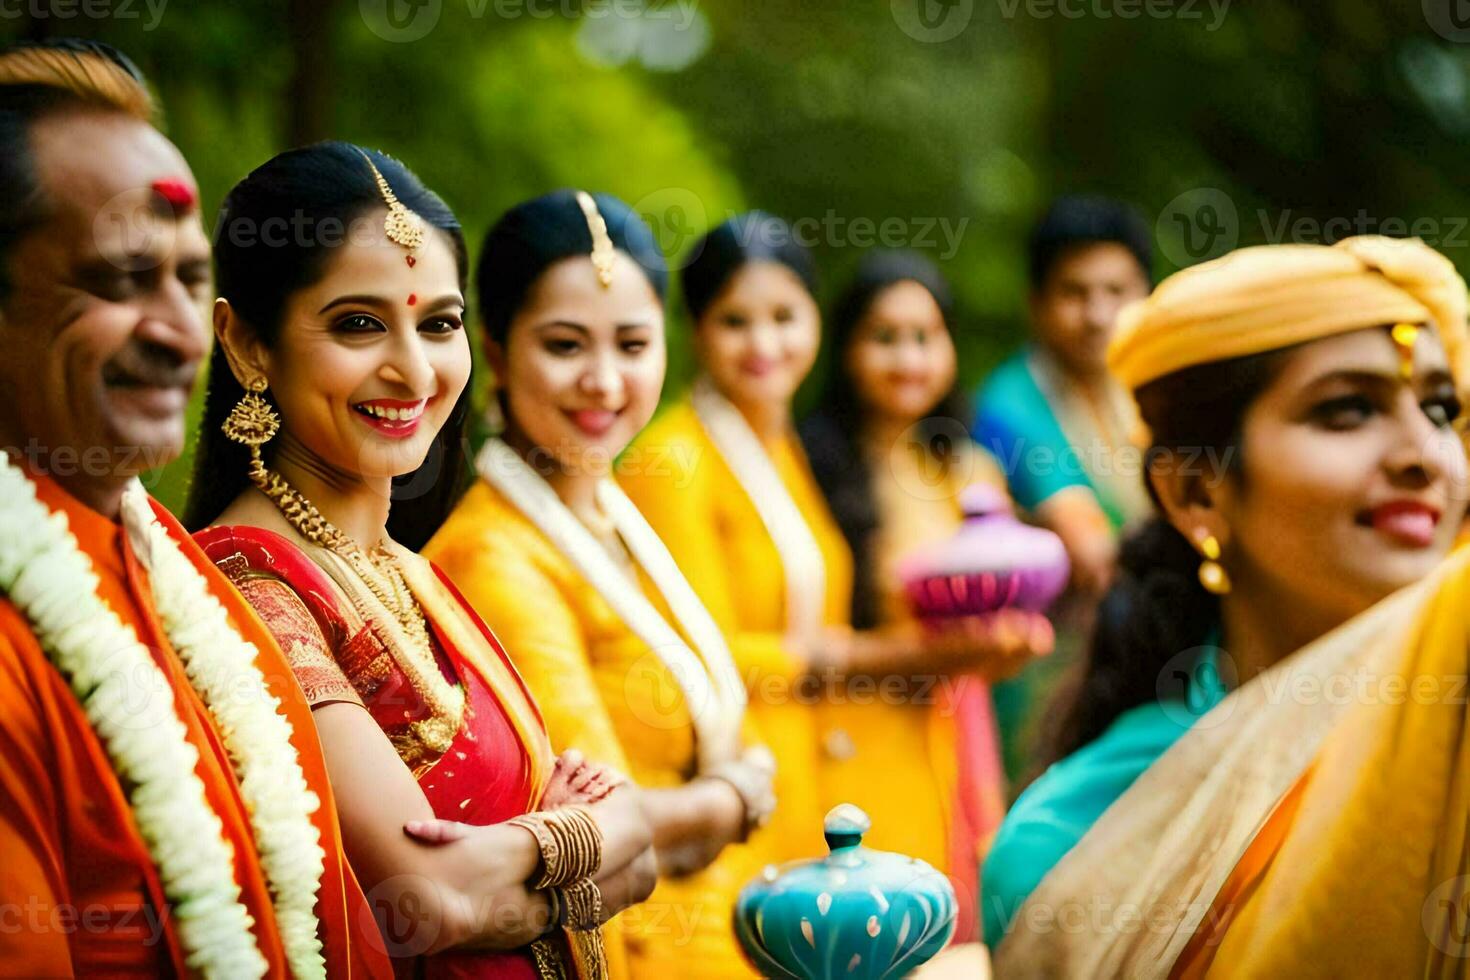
(1225, 124)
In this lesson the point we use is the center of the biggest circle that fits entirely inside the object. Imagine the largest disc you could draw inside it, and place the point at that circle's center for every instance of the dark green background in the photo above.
(1261, 124)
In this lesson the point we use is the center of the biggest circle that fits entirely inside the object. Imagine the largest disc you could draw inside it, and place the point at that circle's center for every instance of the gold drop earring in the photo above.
(252, 422)
(1212, 574)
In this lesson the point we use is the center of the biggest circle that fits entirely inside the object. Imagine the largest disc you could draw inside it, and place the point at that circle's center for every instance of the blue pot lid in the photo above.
(857, 912)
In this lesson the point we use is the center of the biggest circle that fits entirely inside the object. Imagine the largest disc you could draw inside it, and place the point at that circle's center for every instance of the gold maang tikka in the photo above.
(402, 226)
(1404, 336)
(602, 246)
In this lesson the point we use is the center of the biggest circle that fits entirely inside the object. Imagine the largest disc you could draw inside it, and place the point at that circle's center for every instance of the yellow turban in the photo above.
(1268, 297)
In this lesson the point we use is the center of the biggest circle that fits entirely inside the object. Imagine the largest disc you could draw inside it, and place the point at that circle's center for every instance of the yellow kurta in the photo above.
(894, 756)
(676, 476)
(902, 765)
(602, 691)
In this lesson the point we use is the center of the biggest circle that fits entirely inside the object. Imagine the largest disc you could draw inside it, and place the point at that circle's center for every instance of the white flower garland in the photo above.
(221, 667)
(128, 702)
(126, 699)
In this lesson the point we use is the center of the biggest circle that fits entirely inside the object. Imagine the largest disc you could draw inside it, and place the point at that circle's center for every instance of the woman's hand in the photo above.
(630, 885)
(695, 823)
(629, 869)
(577, 781)
(996, 645)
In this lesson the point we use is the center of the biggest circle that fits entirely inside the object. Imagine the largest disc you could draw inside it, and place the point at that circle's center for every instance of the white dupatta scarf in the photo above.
(709, 680)
(802, 565)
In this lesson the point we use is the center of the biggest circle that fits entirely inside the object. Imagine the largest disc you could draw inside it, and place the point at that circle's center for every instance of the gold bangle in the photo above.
(589, 834)
(570, 842)
(580, 853)
(546, 842)
(556, 909)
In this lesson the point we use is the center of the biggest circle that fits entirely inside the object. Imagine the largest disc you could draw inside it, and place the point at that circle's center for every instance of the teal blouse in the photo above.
(1013, 421)
(1051, 816)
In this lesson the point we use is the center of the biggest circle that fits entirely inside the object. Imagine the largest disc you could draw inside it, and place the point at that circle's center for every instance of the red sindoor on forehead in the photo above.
(413, 299)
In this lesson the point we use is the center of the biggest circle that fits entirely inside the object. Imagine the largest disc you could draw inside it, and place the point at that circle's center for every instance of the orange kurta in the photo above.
(80, 891)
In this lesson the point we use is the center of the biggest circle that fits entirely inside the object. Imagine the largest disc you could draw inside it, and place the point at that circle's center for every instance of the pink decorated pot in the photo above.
(992, 562)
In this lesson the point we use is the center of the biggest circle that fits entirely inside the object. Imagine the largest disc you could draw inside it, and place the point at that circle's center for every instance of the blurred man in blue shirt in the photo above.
(1057, 422)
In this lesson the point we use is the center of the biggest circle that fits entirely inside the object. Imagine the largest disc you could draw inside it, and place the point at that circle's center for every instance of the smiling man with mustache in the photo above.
(104, 272)
(103, 294)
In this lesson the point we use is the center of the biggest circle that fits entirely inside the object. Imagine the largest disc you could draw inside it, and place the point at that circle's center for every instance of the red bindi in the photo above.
(411, 261)
(178, 193)
(413, 299)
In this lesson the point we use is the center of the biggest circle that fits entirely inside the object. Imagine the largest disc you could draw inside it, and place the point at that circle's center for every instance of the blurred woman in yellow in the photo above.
(724, 479)
(624, 661)
(890, 447)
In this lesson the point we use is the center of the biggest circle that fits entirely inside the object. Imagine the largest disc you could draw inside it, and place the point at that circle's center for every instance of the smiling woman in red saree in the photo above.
(422, 717)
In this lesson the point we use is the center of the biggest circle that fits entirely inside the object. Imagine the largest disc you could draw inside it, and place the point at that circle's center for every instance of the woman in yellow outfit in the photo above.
(724, 479)
(1299, 808)
(679, 480)
(890, 448)
(624, 661)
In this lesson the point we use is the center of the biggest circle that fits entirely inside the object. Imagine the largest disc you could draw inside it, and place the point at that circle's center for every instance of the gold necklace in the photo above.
(427, 738)
(378, 569)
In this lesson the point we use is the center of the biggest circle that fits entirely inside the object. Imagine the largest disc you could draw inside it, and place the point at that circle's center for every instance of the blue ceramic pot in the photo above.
(857, 913)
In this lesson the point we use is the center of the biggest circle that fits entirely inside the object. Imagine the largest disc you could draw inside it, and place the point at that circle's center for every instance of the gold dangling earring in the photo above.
(252, 422)
(1212, 574)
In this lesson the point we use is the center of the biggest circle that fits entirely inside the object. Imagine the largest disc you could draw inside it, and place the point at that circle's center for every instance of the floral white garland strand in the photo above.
(126, 699)
(221, 667)
(129, 704)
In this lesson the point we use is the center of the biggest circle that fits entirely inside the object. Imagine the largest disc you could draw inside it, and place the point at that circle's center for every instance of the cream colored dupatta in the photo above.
(803, 568)
(702, 667)
(1377, 835)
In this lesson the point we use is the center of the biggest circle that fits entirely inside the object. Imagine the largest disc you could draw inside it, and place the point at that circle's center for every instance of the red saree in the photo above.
(497, 763)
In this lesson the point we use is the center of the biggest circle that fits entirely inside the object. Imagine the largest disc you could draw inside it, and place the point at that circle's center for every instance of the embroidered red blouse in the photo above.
(483, 777)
